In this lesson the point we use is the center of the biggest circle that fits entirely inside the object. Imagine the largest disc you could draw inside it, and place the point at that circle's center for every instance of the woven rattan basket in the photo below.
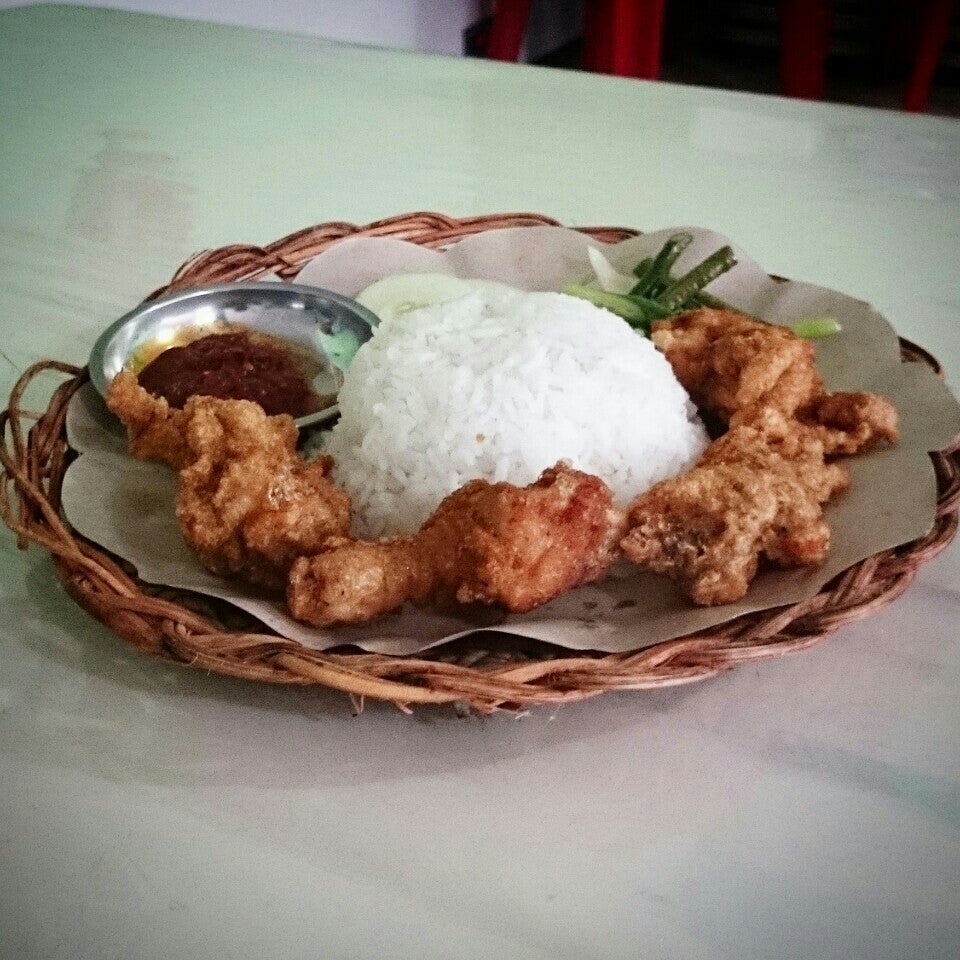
(485, 671)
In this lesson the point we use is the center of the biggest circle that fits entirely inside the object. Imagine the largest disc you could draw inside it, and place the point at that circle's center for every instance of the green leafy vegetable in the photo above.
(637, 311)
(652, 293)
(680, 291)
(704, 299)
(639, 271)
(657, 274)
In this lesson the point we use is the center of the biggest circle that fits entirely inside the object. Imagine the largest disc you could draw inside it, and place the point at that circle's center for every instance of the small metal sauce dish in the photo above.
(305, 316)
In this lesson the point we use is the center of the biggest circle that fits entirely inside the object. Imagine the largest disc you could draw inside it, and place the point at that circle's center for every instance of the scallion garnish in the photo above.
(815, 327)
(656, 294)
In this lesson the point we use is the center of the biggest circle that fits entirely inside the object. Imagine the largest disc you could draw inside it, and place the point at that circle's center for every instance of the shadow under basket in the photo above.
(484, 671)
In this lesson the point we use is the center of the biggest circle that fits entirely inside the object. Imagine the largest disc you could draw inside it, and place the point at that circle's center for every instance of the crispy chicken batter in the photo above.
(156, 430)
(737, 368)
(847, 423)
(729, 363)
(757, 492)
(247, 503)
(486, 543)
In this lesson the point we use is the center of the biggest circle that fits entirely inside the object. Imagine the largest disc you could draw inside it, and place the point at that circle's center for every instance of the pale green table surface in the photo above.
(804, 808)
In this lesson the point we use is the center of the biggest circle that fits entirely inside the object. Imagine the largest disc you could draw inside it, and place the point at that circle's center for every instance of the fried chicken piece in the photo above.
(357, 580)
(246, 502)
(847, 423)
(522, 546)
(756, 492)
(729, 363)
(738, 368)
(156, 430)
(485, 543)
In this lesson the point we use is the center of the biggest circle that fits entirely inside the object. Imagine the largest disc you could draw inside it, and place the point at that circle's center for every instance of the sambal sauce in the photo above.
(233, 366)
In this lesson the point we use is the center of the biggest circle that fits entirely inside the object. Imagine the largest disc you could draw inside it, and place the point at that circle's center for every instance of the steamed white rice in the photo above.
(501, 385)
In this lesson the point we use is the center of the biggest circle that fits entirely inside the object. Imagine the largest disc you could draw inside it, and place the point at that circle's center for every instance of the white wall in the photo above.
(434, 26)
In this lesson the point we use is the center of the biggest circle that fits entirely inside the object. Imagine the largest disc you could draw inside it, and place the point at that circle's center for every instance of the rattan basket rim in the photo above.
(481, 673)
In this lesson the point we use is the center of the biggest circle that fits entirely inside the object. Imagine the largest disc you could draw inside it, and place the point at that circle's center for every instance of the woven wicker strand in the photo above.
(481, 673)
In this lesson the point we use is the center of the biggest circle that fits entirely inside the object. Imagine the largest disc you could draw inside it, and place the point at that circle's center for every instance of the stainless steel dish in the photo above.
(328, 325)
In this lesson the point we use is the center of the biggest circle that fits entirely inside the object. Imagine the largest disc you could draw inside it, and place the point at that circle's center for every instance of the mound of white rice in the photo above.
(500, 385)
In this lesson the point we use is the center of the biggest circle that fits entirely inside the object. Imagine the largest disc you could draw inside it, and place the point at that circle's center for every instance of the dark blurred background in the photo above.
(736, 44)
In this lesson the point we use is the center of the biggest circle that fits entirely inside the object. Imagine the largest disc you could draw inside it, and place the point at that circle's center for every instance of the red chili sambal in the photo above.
(233, 366)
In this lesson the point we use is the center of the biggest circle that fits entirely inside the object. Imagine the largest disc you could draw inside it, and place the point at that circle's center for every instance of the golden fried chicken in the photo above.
(486, 543)
(756, 492)
(847, 423)
(354, 581)
(156, 430)
(729, 363)
(737, 368)
(246, 502)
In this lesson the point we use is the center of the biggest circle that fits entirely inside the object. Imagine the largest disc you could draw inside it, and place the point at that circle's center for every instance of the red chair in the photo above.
(933, 36)
(805, 40)
(622, 37)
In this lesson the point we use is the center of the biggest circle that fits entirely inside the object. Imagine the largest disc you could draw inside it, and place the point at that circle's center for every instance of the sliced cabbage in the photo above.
(402, 292)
